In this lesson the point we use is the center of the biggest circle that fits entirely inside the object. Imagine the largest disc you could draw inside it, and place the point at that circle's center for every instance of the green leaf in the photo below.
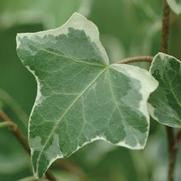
(128, 14)
(80, 96)
(12, 106)
(1, 105)
(13, 159)
(101, 157)
(49, 13)
(12, 156)
(166, 100)
(175, 5)
(32, 179)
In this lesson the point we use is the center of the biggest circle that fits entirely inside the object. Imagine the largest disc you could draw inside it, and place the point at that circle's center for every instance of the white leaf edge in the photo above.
(80, 22)
(151, 108)
(174, 6)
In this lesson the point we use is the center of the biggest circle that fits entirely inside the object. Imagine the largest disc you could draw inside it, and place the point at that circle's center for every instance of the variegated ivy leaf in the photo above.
(175, 5)
(166, 100)
(80, 96)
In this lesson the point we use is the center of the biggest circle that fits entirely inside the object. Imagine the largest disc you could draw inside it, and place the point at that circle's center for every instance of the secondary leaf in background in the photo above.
(103, 161)
(14, 162)
(114, 48)
(12, 159)
(175, 5)
(166, 100)
(9, 104)
(159, 167)
(32, 179)
(80, 96)
(50, 13)
(1, 105)
(122, 23)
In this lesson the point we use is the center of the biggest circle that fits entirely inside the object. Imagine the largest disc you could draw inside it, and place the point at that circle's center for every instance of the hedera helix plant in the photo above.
(82, 97)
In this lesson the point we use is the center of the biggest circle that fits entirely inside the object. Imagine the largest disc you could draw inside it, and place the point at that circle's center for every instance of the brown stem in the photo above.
(172, 152)
(165, 27)
(177, 138)
(172, 149)
(50, 176)
(70, 166)
(6, 99)
(136, 59)
(17, 133)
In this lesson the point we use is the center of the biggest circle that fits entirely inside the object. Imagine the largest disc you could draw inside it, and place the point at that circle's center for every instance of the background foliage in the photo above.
(128, 27)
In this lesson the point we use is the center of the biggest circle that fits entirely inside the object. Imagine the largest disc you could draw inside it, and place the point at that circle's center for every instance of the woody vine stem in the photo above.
(172, 139)
(20, 137)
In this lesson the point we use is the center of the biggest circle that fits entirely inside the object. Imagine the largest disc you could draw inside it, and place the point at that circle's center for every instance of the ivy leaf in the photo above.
(166, 100)
(175, 5)
(80, 96)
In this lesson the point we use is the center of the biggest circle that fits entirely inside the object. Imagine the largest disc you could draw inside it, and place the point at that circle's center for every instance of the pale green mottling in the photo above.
(80, 97)
(166, 100)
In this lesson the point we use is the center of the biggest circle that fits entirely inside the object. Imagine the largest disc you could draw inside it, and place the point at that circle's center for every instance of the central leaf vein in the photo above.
(66, 111)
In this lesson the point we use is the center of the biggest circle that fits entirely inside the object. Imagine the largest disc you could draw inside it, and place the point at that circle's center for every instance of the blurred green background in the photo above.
(127, 28)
